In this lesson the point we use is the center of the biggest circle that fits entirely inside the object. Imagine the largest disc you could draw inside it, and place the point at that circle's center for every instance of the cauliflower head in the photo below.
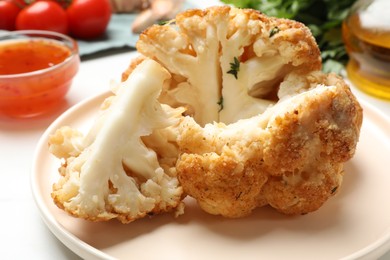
(110, 172)
(226, 63)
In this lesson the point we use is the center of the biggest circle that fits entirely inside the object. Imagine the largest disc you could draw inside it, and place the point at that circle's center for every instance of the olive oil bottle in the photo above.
(366, 33)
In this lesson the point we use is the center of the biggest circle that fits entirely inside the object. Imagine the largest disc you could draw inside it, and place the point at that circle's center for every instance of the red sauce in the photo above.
(27, 56)
(24, 94)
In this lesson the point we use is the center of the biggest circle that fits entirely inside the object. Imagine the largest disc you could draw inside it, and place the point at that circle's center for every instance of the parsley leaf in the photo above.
(274, 31)
(162, 22)
(234, 67)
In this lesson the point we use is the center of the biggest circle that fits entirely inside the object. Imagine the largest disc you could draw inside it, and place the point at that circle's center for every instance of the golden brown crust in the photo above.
(312, 141)
(229, 188)
(293, 162)
(334, 118)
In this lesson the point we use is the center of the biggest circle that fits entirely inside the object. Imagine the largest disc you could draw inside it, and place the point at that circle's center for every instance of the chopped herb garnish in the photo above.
(334, 190)
(220, 103)
(274, 31)
(162, 22)
(234, 67)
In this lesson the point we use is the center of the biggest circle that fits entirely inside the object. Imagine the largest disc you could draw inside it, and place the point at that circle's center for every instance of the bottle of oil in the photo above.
(366, 33)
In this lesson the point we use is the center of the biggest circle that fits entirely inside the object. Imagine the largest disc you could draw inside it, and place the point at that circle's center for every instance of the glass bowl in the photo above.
(36, 71)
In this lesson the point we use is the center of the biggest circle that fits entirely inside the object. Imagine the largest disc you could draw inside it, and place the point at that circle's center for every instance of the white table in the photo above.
(23, 233)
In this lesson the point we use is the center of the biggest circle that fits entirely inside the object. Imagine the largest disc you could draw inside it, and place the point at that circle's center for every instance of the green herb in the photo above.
(274, 31)
(323, 17)
(234, 67)
(220, 103)
(162, 22)
(334, 190)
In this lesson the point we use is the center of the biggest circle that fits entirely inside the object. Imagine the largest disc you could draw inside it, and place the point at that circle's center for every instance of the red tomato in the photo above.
(8, 13)
(43, 15)
(88, 18)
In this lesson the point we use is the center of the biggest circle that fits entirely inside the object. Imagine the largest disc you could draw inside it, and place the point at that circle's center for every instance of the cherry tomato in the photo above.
(43, 15)
(8, 13)
(88, 19)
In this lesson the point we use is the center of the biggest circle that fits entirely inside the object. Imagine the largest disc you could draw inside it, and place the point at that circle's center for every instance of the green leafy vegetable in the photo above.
(323, 17)
(234, 67)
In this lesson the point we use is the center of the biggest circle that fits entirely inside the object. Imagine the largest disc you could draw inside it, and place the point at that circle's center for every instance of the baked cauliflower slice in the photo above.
(290, 157)
(227, 62)
(111, 172)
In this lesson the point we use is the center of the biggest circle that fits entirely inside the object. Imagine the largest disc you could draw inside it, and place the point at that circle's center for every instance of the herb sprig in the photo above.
(234, 67)
(274, 31)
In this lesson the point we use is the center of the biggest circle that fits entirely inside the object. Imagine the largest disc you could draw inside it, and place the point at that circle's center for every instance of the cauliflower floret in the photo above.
(111, 173)
(290, 157)
(228, 62)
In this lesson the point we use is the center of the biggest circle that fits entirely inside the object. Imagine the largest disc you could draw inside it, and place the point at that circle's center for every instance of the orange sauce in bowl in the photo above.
(31, 55)
(35, 74)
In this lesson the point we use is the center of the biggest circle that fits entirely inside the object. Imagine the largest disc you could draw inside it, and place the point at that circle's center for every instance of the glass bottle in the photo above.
(366, 34)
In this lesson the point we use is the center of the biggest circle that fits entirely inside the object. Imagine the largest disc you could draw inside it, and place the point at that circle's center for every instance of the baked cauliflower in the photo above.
(225, 105)
(110, 172)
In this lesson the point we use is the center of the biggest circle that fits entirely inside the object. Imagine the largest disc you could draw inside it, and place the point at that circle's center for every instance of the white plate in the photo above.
(354, 224)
